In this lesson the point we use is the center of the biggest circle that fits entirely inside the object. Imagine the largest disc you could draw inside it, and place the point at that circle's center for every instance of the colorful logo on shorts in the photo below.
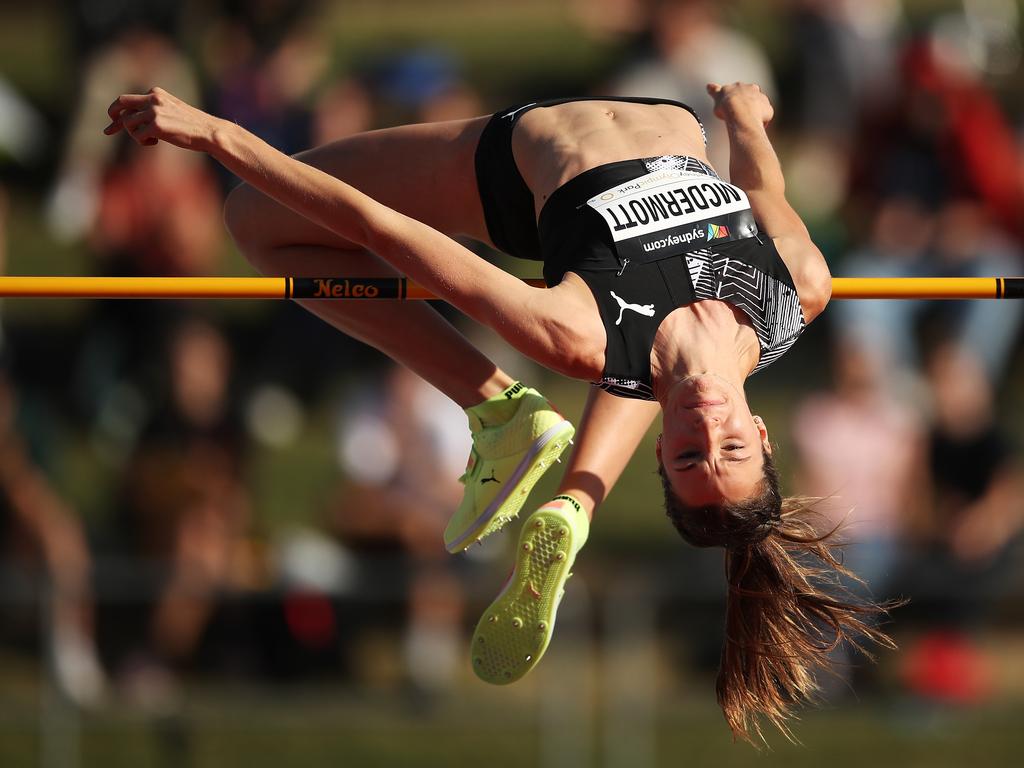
(717, 231)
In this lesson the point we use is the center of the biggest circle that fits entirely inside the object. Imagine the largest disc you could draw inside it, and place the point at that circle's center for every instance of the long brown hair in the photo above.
(786, 609)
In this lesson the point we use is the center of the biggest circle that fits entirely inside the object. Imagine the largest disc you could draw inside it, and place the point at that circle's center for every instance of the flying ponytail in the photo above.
(786, 608)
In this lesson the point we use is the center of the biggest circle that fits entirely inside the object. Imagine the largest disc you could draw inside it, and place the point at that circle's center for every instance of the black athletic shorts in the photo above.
(507, 202)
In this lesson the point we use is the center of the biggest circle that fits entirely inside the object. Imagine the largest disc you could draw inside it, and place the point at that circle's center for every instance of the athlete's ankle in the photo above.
(496, 410)
(567, 500)
(581, 502)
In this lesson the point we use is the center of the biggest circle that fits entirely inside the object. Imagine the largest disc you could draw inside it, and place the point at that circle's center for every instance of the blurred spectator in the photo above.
(157, 215)
(401, 449)
(262, 77)
(941, 137)
(185, 505)
(974, 464)
(977, 513)
(686, 47)
(133, 63)
(894, 244)
(862, 452)
(842, 52)
(23, 132)
(609, 18)
(838, 61)
(936, 184)
(94, 23)
(908, 239)
(37, 525)
(421, 85)
(144, 211)
(343, 108)
(263, 25)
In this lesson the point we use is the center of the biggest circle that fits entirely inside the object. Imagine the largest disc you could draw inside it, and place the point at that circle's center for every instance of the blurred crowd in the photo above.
(902, 152)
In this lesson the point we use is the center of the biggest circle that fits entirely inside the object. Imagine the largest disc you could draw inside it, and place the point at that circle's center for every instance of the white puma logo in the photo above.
(511, 114)
(645, 309)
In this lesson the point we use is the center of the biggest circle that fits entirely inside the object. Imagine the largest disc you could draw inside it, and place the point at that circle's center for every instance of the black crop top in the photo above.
(651, 235)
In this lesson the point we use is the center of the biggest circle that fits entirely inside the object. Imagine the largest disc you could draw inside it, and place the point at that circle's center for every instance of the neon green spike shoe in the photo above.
(515, 630)
(517, 436)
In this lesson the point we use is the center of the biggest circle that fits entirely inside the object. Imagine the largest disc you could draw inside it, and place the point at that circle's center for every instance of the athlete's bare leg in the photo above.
(424, 171)
(610, 431)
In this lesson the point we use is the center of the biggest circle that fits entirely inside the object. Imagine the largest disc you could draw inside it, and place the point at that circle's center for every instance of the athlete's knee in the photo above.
(240, 219)
(243, 225)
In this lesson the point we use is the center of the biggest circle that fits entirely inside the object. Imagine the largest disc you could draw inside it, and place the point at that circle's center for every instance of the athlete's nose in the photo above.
(706, 419)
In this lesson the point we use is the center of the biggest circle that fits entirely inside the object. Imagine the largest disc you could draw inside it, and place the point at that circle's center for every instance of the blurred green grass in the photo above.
(293, 728)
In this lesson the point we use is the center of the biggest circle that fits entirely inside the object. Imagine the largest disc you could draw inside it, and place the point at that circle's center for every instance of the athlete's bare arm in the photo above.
(534, 321)
(754, 167)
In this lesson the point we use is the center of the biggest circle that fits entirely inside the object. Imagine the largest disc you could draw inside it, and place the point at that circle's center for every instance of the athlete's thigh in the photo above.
(425, 171)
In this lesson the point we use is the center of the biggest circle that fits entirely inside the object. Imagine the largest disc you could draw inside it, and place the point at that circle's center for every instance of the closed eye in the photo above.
(688, 456)
(689, 459)
(732, 451)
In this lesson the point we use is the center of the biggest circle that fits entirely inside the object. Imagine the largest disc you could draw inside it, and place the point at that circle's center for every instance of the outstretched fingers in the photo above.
(138, 124)
(124, 105)
(159, 116)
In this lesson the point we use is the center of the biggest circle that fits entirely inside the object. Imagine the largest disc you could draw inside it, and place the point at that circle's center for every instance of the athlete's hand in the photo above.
(161, 116)
(741, 101)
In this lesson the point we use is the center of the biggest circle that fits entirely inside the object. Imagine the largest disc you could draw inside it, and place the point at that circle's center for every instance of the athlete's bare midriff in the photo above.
(554, 144)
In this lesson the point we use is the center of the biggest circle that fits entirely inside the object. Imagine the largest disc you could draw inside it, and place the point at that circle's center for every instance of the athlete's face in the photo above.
(711, 446)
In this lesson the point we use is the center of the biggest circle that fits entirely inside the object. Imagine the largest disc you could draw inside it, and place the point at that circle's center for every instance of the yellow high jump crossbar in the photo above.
(402, 288)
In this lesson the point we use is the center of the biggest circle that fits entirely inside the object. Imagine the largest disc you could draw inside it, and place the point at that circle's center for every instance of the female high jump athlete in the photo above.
(667, 287)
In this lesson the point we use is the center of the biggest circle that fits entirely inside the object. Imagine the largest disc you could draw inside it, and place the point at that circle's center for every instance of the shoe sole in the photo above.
(515, 630)
(506, 505)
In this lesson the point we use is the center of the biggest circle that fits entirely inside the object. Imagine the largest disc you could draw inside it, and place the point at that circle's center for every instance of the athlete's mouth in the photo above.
(704, 404)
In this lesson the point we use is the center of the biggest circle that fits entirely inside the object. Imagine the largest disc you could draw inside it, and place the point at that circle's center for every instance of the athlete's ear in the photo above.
(762, 432)
(657, 448)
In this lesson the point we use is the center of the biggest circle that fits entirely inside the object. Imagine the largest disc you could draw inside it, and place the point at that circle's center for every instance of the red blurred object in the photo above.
(310, 618)
(977, 130)
(946, 667)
